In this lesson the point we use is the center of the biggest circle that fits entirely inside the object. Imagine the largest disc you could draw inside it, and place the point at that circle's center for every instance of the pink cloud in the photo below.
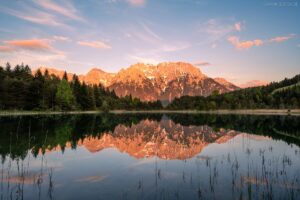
(244, 44)
(34, 44)
(137, 2)
(6, 49)
(238, 26)
(94, 44)
(281, 38)
(34, 16)
(258, 42)
(67, 11)
(61, 38)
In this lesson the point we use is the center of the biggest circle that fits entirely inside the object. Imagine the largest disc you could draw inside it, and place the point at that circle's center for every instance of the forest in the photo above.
(22, 90)
(276, 95)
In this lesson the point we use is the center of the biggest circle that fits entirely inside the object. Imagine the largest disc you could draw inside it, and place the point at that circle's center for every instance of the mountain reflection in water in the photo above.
(153, 156)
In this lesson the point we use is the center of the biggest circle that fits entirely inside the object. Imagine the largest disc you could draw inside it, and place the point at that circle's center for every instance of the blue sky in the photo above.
(239, 40)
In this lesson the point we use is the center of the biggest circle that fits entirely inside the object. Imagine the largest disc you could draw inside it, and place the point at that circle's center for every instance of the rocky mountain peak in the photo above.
(226, 83)
(164, 81)
(254, 83)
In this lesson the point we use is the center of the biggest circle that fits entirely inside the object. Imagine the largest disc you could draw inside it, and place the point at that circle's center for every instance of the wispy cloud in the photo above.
(147, 60)
(34, 16)
(143, 33)
(32, 45)
(68, 10)
(46, 12)
(37, 58)
(244, 44)
(38, 45)
(137, 2)
(238, 26)
(94, 44)
(134, 3)
(201, 63)
(173, 47)
(61, 38)
(282, 38)
(150, 32)
(31, 50)
(215, 30)
(257, 42)
(6, 49)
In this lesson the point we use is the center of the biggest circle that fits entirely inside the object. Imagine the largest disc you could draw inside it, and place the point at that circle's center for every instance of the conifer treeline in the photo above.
(21, 90)
(277, 95)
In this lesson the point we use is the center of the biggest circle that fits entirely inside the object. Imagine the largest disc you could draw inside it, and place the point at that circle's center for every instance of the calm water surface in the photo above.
(142, 156)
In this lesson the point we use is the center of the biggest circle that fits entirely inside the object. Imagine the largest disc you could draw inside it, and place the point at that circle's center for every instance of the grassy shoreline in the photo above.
(242, 111)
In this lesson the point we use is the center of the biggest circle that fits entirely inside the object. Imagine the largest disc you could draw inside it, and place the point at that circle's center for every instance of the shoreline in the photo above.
(294, 112)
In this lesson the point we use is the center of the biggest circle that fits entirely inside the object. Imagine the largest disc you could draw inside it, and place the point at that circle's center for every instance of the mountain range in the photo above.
(147, 82)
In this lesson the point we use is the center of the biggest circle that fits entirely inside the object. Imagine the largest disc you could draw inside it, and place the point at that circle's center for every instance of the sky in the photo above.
(238, 40)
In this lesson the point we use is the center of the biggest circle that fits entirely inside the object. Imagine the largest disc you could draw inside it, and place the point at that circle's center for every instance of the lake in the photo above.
(150, 156)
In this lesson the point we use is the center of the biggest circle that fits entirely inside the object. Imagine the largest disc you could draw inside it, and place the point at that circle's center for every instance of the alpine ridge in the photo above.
(148, 82)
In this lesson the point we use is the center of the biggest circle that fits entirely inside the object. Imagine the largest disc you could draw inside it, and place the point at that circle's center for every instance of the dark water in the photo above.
(150, 157)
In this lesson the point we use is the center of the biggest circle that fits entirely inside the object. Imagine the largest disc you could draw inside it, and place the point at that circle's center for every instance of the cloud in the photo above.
(94, 44)
(37, 58)
(33, 45)
(201, 64)
(213, 45)
(150, 32)
(258, 42)
(35, 52)
(67, 11)
(39, 45)
(145, 60)
(217, 29)
(173, 48)
(244, 44)
(6, 49)
(143, 33)
(61, 38)
(137, 3)
(35, 16)
(238, 26)
(282, 38)
(32, 50)
(46, 13)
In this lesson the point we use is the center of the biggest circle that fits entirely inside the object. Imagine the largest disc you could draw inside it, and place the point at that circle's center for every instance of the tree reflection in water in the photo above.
(150, 157)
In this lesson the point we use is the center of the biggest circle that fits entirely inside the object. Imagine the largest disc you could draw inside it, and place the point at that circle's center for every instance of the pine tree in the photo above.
(65, 76)
(76, 86)
(105, 106)
(97, 96)
(64, 96)
(2, 75)
(91, 99)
